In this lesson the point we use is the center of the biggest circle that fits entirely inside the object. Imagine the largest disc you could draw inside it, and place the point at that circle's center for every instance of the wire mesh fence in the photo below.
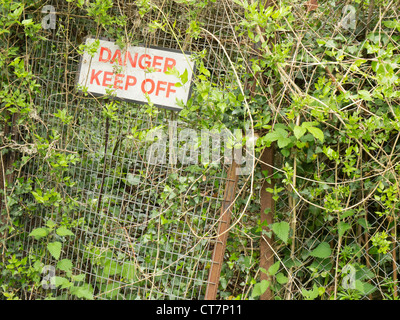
(142, 230)
(147, 230)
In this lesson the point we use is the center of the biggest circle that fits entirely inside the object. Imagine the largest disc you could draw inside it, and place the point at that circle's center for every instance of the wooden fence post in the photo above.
(267, 215)
(223, 226)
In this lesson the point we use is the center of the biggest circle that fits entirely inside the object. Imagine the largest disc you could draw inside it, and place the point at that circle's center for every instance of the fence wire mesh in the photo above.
(137, 235)
(147, 231)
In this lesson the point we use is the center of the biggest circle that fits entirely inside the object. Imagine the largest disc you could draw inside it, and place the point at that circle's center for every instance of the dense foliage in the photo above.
(319, 85)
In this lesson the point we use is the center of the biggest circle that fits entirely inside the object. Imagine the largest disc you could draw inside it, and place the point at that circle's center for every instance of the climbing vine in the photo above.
(317, 80)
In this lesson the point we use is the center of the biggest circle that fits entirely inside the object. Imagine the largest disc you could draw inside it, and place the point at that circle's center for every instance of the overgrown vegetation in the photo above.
(77, 196)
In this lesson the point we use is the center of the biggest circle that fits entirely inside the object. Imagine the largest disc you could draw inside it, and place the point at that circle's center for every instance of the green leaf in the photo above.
(223, 283)
(299, 131)
(111, 267)
(283, 142)
(391, 24)
(17, 12)
(279, 135)
(110, 290)
(343, 227)
(129, 271)
(285, 153)
(84, 291)
(172, 71)
(63, 231)
(310, 294)
(271, 137)
(281, 229)
(347, 213)
(363, 223)
(274, 268)
(39, 233)
(62, 282)
(365, 95)
(54, 249)
(317, 133)
(51, 224)
(309, 124)
(184, 77)
(38, 266)
(281, 278)
(322, 251)
(260, 288)
(64, 265)
(79, 277)
(364, 287)
(204, 71)
(132, 179)
(26, 22)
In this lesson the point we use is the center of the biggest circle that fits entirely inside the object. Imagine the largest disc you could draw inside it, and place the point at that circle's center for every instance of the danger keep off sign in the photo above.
(136, 71)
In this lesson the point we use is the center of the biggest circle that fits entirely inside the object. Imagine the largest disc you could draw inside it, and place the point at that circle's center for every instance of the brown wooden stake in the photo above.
(224, 223)
(267, 214)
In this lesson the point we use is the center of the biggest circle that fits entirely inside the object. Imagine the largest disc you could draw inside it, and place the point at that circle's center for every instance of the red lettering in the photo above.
(107, 78)
(169, 88)
(133, 62)
(147, 63)
(156, 64)
(102, 50)
(169, 64)
(95, 76)
(117, 55)
(159, 88)
(118, 81)
(144, 86)
(129, 83)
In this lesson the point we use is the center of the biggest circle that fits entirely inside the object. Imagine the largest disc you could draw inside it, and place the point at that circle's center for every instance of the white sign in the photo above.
(136, 71)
